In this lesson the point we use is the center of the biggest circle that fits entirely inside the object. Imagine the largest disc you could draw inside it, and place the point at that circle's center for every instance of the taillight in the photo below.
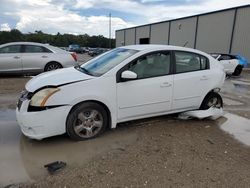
(74, 55)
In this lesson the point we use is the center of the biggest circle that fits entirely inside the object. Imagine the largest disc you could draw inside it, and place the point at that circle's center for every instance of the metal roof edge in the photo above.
(186, 17)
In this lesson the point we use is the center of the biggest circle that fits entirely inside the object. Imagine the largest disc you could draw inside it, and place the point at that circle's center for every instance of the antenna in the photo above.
(185, 44)
(110, 30)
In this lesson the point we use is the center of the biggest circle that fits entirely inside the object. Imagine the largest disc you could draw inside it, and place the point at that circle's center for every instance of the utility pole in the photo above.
(110, 30)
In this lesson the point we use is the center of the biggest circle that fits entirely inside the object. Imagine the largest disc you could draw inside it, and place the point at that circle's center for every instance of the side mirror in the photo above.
(128, 75)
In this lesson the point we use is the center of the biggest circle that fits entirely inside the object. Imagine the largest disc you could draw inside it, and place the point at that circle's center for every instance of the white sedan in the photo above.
(33, 58)
(232, 64)
(126, 83)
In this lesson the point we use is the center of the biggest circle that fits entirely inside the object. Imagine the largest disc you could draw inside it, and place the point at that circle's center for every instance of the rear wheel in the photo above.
(52, 66)
(86, 120)
(212, 100)
(237, 70)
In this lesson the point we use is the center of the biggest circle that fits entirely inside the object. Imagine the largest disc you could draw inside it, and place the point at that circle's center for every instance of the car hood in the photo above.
(55, 78)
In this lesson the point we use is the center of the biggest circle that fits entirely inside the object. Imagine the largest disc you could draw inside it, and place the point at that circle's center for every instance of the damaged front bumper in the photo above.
(211, 113)
(42, 124)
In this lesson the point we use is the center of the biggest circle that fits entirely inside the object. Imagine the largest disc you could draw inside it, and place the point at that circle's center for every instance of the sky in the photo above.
(92, 16)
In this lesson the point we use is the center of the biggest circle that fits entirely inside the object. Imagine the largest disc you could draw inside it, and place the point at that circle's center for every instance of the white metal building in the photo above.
(223, 31)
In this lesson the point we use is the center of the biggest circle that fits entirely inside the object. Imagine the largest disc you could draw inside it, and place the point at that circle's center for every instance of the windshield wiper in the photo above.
(83, 70)
(86, 71)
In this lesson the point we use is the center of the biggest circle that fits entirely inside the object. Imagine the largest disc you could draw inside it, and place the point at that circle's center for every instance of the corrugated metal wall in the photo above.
(241, 37)
(159, 33)
(226, 31)
(119, 36)
(183, 32)
(142, 32)
(130, 36)
(214, 32)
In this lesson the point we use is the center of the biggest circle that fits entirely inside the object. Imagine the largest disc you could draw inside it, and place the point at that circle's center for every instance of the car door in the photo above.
(228, 62)
(10, 59)
(191, 80)
(35, 57)
(151, 92)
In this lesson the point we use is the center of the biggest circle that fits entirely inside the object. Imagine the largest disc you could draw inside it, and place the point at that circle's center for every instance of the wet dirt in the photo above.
(10, 88)
(23, 160)
(168, 152)
(229, 102)
(156, 152)
(236, 95)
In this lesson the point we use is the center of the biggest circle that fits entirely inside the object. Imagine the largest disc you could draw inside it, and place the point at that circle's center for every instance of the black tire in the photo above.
(79, 120)
(212, 99)
(237, 70)
(52, 66)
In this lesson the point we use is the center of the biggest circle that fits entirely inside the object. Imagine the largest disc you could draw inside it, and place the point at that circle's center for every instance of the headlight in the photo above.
(40, 98)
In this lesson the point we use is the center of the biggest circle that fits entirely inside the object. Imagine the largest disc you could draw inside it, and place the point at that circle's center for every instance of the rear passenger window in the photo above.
(188, 62)
(225, 57)
(35, 49)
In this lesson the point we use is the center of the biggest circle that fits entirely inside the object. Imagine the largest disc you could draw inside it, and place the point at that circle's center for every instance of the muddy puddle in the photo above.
(237, 126)
(241, 87)
(22, 159)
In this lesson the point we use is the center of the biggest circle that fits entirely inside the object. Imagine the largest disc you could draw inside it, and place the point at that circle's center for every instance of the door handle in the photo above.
(16, 57)
(204, 78)
(44, 56)
(166, 84)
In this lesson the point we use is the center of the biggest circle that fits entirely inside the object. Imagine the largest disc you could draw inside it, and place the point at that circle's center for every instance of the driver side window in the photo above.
(151, 65)
(10, 49)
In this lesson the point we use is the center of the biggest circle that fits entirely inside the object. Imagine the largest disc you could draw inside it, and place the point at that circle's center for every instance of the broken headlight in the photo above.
(39, 98)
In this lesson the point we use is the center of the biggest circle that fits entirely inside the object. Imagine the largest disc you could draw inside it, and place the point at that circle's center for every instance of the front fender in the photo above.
(111, 106)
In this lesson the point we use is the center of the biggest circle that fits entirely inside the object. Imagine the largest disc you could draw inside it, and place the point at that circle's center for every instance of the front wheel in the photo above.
(212, 100)
(86, 120)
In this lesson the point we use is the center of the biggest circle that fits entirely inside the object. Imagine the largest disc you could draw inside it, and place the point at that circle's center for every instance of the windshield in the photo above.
(102, 64)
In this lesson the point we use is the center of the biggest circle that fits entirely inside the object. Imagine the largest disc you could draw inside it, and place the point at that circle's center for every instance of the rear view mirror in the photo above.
(128, 75)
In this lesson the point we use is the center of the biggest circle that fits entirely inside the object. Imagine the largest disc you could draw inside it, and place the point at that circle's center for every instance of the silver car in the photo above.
(33, 58)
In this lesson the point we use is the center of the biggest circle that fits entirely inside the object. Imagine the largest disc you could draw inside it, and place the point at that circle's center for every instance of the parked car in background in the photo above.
(96, 51)
(64, 48)
(126, 83)
(76, 48)
(33, 58)
(232, 64)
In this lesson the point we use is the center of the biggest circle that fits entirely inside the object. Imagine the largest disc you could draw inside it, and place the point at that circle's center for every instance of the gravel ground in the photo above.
(166, 153)
(10, 89)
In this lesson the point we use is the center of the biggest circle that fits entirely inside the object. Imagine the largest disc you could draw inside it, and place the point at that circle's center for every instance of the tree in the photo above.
(60, 40)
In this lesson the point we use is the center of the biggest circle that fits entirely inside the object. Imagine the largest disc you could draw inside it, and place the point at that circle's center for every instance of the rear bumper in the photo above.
(70, 64)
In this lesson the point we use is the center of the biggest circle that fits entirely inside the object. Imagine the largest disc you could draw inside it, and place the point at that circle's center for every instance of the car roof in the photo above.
(53, 48)
(149, 47)
(31, 43)
(222, 54)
